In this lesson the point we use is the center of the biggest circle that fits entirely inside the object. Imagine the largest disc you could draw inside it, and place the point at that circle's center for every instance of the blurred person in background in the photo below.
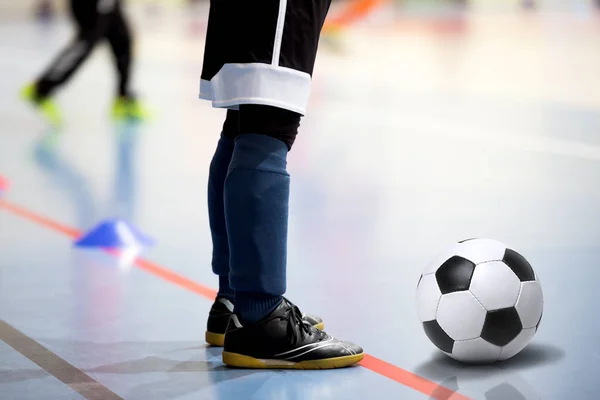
(45, 10)
(528, 4)
(95, 20)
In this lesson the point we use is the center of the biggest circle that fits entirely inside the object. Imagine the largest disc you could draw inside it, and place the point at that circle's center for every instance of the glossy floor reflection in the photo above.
(489, 130)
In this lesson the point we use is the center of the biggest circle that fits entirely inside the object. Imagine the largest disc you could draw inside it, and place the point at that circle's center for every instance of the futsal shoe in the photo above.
(283, 339)
(129, 109)
(47, 108)
(222, 310)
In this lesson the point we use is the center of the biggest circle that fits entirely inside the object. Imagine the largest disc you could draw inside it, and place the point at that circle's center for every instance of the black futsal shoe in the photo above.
(222, 309)
(218, 318)
(283, 339)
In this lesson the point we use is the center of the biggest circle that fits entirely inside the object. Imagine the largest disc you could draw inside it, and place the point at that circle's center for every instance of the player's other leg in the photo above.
(222, 308)
(91, 24)
(118, 34)
(263, 66)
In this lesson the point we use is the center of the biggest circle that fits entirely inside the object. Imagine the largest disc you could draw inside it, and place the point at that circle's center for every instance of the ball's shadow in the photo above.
(534, 355)
(501, 378)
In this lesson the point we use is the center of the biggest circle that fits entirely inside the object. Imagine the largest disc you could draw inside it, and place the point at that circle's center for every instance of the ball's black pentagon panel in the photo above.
(420, 278)
(501, 326)
(538, 324)
(466, 240)
(519, 265)
(455, 275)
(436, 334)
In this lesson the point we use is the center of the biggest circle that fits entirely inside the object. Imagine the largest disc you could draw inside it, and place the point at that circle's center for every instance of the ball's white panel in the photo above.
(428, 298)
(530, 303)
(495, 285)
(460, 315)
(439, 259)
(481, 250)
(518, 344)
(475, 351)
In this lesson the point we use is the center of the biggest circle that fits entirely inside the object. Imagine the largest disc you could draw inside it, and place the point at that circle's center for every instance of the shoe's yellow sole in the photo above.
(215, 339)
(242, 361)
(218, 339)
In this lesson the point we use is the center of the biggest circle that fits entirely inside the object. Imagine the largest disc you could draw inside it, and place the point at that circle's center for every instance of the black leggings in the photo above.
(96, 20)
(265, 120)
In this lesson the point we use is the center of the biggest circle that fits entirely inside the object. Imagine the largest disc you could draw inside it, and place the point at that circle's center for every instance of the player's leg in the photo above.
(222, 308)
(91, 23)
(267, 331)
(256, 208)
(119, 37)
(265, 71)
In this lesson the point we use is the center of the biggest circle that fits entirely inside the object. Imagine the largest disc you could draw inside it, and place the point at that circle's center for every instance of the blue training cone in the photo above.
(114, 233)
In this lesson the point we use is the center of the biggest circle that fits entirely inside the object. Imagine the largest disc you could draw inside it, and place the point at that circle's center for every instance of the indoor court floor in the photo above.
(420, 133)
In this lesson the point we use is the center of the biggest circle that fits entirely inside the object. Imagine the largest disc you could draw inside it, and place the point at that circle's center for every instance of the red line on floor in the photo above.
(176, 279)
(47, 222)
(431, 389)
(374, 364)
(4, 184)
(352, 12)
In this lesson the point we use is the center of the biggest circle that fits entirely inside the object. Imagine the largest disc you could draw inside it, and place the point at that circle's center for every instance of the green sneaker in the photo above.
(47, 108)
(126, 108)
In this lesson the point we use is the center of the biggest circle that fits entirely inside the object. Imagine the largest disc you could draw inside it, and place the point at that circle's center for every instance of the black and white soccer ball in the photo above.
(479, 301)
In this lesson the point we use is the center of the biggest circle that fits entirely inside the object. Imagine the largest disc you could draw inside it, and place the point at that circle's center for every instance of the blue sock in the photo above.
(225, 289)
(216, 214)
(256, 210)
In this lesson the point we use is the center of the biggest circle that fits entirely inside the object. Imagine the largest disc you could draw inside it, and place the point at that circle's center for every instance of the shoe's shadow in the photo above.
(199, 370)
(168, 370)
(500, 380)
(165, 370)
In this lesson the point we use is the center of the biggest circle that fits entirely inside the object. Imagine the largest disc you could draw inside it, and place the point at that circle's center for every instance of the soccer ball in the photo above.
(479, 301)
